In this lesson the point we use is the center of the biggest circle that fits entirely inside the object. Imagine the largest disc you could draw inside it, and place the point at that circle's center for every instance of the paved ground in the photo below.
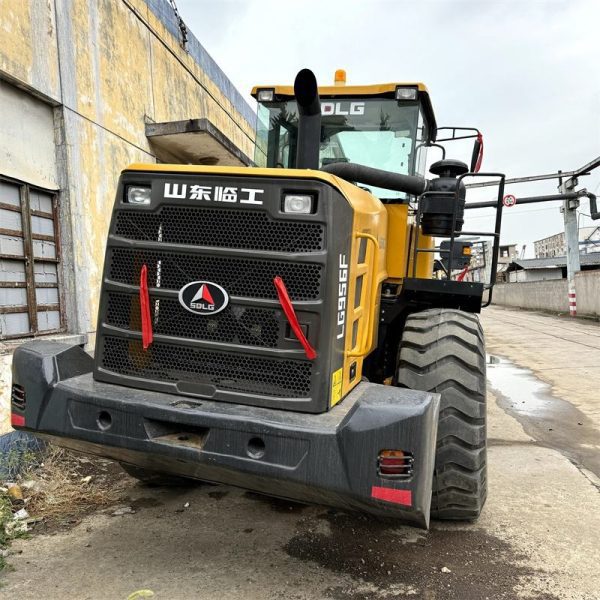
(539, 535)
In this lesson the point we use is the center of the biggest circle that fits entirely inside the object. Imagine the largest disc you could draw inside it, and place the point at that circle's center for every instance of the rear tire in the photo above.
(443, 351)
(155, 478)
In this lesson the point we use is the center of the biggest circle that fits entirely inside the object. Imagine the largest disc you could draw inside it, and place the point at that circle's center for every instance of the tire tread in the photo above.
(443, 351)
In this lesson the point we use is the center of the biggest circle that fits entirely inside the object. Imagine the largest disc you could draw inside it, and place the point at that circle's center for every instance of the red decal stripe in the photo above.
(17, 420)
(403, 497)
(290, 313)
(145, 309)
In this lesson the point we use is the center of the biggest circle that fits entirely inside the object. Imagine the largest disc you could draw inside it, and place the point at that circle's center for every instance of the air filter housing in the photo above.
(441, 200)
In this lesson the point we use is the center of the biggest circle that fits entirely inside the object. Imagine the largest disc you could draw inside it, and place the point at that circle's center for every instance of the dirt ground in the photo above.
(538, 537)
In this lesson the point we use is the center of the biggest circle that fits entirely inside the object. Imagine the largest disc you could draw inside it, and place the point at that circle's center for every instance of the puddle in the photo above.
(552, 421)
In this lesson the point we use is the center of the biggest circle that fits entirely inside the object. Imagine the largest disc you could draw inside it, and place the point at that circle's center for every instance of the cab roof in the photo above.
(357, 91)
(344, 90)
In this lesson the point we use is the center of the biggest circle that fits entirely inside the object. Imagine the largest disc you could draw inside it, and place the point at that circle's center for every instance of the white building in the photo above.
(554, 245)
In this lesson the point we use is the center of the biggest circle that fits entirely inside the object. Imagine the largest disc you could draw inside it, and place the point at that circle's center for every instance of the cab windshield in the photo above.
(377, 132)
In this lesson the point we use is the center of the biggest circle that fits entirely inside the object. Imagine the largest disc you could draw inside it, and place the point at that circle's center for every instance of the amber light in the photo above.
(340, 77)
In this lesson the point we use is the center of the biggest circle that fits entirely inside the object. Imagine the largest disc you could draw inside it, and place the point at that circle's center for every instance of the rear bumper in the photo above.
(329, 458)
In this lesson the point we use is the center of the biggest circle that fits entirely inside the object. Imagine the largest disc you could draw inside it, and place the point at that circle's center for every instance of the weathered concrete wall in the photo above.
(121, 65)
(536, 295)
(103, 68)
(552, 295)
(113, 65)
(28, 48)
(535, 275)
(587, 284)
(25, 118)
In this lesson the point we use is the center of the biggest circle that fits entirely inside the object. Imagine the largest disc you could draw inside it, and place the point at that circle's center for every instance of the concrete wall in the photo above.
(534, 275)
(109, 66)
(100, 70)
(25, 118)
(552, 295)
(587, 285)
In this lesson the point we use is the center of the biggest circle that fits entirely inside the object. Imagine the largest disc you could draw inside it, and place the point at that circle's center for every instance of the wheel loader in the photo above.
(296, 327)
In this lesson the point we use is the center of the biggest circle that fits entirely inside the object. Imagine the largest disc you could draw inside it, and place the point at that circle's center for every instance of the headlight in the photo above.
(265, 95)
(298, 204)
(406, 93)
(137, 194)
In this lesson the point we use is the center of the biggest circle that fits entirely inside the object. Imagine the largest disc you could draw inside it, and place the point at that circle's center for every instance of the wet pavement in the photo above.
(553, 422)
(538, 537)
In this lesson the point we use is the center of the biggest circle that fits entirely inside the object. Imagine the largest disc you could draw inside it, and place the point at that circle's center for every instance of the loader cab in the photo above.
(384, 126)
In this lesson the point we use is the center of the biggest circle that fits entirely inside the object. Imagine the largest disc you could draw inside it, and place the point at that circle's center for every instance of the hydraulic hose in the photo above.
(410, 184)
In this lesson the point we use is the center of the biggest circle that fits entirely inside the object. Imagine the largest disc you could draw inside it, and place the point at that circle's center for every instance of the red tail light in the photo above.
(395, 464)
(18, 401)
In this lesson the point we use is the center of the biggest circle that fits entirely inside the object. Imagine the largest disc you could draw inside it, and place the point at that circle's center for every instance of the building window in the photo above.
(30, 290)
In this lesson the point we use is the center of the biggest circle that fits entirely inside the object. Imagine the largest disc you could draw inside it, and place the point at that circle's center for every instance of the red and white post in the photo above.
(572, 302)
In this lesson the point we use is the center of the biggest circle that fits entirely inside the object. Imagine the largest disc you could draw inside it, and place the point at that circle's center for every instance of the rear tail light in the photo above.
(18, 396)
(395, 464)
(17, 401)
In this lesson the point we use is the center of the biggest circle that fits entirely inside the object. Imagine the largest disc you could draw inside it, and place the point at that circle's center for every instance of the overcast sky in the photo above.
(525, 72)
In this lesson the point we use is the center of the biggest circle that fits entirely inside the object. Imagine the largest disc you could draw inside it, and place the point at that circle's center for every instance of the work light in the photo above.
(297, 203)
(137, 194)
(406, 93)
(265, 95)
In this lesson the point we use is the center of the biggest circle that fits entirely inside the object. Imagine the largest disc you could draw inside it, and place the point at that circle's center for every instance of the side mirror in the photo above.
(477, 155)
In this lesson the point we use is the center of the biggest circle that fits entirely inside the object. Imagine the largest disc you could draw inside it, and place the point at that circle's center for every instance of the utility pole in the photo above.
(568, 181)
(569, 210)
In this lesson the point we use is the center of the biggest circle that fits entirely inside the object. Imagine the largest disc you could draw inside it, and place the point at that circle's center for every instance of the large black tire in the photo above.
(443, 350)
(154, 478)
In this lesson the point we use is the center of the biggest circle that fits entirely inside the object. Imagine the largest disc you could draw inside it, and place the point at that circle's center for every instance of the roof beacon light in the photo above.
(406, 93)
(340, 77)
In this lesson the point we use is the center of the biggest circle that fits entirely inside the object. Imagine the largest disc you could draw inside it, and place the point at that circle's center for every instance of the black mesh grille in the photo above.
(234, 372)
(233, 325)
(222, 228)
(251, 278)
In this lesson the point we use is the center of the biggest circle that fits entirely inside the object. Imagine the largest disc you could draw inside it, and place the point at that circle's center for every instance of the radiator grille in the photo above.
(221, 228)
(234, 325)
(226, 371)
(245, 277)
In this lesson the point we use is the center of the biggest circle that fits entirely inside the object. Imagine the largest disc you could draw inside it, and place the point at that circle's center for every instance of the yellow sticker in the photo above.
(336, 387)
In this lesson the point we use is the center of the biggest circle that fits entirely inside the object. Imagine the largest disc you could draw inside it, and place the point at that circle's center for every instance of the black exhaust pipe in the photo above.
(309, 120)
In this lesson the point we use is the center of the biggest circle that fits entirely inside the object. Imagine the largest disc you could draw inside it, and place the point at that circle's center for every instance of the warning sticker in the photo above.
(336, 387)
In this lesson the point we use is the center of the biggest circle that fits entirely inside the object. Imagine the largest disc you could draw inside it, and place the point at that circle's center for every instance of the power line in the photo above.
(507, 214)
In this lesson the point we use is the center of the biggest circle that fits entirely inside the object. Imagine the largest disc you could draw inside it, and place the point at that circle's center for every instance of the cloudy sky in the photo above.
(525, 72)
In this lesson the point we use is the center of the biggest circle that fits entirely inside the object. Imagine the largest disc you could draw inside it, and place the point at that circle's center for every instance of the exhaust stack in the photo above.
(309, 120)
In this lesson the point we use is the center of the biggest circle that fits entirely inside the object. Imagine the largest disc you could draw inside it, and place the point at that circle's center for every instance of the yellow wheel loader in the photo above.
(298, 328)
